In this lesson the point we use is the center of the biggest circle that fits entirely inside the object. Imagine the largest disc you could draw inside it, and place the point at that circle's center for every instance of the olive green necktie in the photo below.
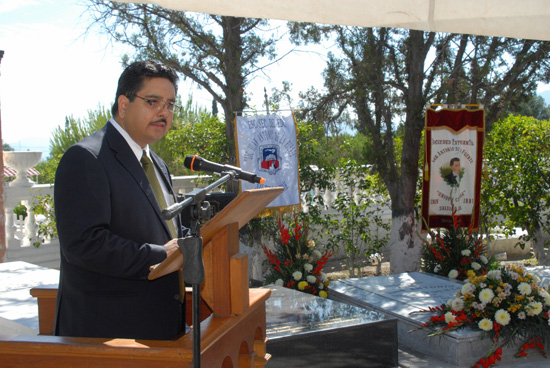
(159, 194)
(155, 185)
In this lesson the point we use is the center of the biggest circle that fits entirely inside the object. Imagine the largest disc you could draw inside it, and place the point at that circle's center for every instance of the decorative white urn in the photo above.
(21, 161)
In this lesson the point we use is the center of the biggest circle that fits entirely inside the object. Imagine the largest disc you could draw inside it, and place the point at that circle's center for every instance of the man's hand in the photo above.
(172, 247)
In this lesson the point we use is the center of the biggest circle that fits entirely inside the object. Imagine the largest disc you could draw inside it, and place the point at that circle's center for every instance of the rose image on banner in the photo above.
(452, 167)
(266, 146)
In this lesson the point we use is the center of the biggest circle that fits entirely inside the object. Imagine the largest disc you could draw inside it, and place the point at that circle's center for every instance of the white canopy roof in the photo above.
(528, 19)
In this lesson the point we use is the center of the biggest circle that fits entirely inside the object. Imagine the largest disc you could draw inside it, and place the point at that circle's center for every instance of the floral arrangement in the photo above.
(455, 251)
(296, 263)
(505, 303)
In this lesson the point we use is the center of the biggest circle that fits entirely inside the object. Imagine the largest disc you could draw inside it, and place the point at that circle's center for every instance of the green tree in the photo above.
(355, 220)
(6, 147)
(387, 76)
(63, 137)
(535, 107)
(194, 132)
(516, 193)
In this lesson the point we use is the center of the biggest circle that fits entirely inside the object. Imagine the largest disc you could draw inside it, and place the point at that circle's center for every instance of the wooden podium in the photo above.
(233, 327)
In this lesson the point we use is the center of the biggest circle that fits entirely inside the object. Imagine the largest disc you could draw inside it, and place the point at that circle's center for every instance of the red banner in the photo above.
(453, 160)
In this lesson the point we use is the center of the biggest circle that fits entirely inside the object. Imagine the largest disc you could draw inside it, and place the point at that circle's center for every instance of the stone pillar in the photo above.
(17, 191)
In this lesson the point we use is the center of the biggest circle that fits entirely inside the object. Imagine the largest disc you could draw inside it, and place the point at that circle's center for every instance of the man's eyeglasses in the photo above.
(160, 104)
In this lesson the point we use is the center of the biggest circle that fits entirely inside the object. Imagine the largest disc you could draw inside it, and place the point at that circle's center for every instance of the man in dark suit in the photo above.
(109, 220)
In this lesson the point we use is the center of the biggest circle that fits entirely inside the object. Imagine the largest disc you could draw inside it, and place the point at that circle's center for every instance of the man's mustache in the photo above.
(160, 120)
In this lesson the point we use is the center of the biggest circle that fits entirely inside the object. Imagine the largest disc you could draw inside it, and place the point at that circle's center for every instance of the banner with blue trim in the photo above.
(267, 146)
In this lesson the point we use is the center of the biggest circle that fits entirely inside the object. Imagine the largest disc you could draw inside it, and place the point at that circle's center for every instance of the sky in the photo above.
(51, 70)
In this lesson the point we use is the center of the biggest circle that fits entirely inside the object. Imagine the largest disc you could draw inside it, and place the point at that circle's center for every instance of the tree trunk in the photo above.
(405, 245)
(538, 242)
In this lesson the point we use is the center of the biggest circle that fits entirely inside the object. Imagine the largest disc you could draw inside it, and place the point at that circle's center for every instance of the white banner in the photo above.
(266, 146)
(453, 175)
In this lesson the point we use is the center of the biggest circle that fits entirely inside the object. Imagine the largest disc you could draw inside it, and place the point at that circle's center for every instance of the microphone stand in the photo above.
(191, 248)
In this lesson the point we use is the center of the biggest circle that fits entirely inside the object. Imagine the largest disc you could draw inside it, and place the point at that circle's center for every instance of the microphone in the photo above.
(196, 163)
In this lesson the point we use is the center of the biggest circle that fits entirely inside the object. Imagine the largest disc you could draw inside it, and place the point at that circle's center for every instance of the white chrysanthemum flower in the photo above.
(476, 266)
(320, 286)
(485, 324)
(449, 303)
(494, 275)
(457, 304)
(486, 295)
(453, 274)
(308, 267)
(483, 259)
(317, 254)
(324, 277)
(524, 288)
(311, 279)
(279, 282)
(467, 288)
(449, 317)
(544, 294)
(437, 268)
(297, 275)
(535, 278)
(534, 308)
(466, 252)
(502, 317)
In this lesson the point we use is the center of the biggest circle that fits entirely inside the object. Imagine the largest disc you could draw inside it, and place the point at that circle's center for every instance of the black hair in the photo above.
(132, 78)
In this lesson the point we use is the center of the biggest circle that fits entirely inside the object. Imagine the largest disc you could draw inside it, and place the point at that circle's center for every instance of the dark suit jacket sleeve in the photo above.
(102, 227)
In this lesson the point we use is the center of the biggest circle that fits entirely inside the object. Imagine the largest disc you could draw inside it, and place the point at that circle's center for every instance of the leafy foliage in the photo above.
(516, 192)
(64, 137)
(535, 107)
(20, 211)
(6, 147)
(44, 211)
(194, 132)
(355, 220)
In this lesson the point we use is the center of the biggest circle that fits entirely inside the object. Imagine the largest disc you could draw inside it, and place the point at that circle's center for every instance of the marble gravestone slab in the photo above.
(543, 272)
(308, 331)
(400, 294)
